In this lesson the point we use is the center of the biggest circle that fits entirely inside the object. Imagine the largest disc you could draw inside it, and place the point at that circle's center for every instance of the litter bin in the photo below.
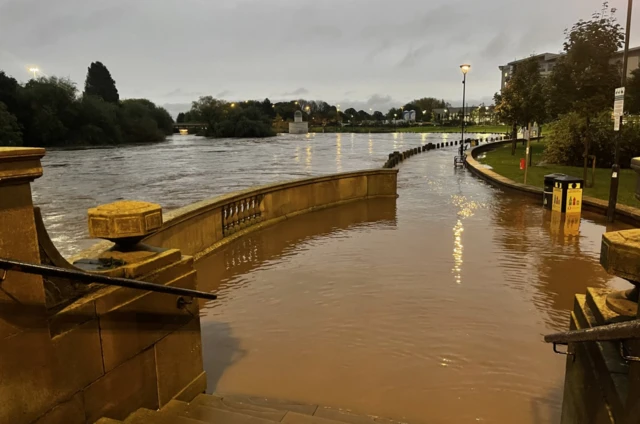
(567, 194)
(547, 196)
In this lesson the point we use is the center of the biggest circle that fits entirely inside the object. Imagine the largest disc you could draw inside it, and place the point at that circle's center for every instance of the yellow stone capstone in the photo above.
(124, 219)
(620, 254)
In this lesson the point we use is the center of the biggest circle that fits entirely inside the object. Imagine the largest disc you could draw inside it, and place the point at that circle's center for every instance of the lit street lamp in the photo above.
(464, 68)
(35, 72)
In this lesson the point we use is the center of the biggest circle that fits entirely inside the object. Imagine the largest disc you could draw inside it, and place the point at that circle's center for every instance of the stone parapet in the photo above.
(201, 227)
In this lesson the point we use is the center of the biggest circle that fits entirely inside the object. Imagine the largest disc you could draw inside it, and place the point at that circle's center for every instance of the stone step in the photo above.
(282, 405)
(212, 415)
(349, 417)
(175, 407)
(147, 416)
(218, 402)
(296, 418)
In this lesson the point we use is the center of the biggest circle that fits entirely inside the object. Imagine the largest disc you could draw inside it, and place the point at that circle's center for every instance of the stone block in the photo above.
(130, 386)
(113, 297)
(155, 315)
(191, 235)
(124, 219)
(620, 254)
(69, 412)
(193, 389)
(352, 188)
(20, 164)
(180, 350)
(19, 241)
(38, 372)
(382, 185)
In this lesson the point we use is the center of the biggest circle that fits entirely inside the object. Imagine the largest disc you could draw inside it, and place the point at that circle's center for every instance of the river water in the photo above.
(429, 308)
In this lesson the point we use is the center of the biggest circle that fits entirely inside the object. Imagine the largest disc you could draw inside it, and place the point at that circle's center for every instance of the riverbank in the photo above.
(488, 129)
(502, 162)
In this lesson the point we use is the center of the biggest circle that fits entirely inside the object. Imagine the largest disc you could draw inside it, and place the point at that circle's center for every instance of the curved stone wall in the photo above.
(201, 227)
(627, 214)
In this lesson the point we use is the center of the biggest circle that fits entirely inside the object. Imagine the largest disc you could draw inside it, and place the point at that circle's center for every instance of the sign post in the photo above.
(618, 108)
(618, 113)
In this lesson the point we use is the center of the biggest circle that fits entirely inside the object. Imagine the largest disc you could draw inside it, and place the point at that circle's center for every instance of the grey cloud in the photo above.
(171, 51)
(178, 92)
(223, 94)
(175, 108)
(497, 45)
(299, 92)
(413, 57)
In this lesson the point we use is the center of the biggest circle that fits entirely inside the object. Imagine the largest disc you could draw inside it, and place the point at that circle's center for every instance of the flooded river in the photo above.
(429, 308)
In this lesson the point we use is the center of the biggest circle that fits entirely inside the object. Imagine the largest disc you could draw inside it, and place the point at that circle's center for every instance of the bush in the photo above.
(10, 134)
(565, 141)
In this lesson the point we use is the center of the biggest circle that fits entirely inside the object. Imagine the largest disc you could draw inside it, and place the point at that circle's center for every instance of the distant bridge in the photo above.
(190, 126)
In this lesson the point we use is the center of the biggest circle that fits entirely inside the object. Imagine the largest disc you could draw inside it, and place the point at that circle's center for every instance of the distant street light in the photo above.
(35, 72)
(464, 68)
(233, 105)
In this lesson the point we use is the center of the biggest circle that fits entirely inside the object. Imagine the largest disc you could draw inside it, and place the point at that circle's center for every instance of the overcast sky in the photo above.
(361, 53)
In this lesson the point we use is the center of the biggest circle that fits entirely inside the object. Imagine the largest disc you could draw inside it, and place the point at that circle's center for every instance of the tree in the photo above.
(428, 104)
(181, 118)
(10, 134)
(9, 92)
(97, 122)
(584, 79)
(522, 101)
(100, 83)
(48, 110)
(378, 116)
(351, 112)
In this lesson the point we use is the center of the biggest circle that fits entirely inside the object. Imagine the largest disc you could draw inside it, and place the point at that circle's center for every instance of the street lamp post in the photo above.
(615, 169)
(35, 72)
(464, 68)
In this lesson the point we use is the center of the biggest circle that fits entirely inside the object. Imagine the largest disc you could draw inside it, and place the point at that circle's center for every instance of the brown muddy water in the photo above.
(429, 308)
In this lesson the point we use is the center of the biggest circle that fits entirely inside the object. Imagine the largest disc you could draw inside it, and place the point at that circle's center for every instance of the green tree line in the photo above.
(252, 118)
(49, 111)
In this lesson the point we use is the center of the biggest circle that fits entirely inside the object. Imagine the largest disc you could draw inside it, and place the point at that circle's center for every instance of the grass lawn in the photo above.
(498, 129)
(507, 165)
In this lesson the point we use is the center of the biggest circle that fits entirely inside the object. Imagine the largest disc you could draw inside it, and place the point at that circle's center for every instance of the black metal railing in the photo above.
(90, 278)
(610, 332)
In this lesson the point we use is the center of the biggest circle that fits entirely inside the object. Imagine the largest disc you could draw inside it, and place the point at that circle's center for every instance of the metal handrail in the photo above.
(89, 278)
(610, 332)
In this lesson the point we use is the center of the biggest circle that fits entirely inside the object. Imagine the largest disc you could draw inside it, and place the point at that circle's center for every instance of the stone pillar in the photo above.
(18, 237)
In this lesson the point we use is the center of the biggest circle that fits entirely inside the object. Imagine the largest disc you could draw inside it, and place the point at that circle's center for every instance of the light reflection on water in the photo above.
(354, 306)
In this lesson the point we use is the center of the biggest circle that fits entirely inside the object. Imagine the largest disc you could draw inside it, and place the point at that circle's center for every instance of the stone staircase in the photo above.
(220, 409)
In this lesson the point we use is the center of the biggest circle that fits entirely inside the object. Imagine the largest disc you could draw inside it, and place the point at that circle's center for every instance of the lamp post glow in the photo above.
(35, 72)
(464, 68)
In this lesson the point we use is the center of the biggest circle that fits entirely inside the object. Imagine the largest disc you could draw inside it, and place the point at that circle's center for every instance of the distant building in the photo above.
(473, 114)
(548, 60)
(298, 126)
(409, 115)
